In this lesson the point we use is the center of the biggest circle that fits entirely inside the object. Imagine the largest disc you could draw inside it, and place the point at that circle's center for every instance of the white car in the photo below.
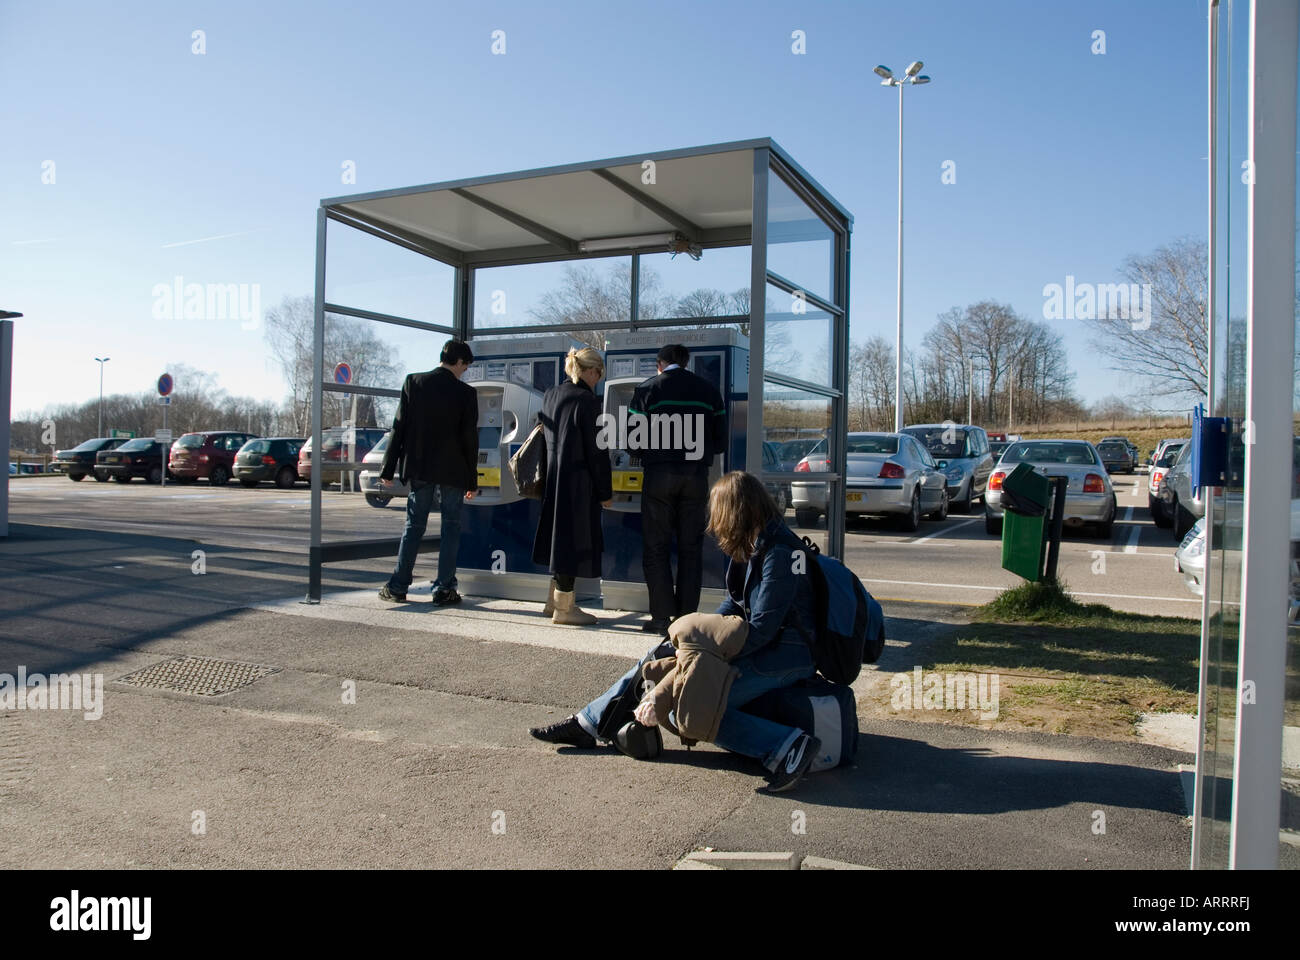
(368, 480)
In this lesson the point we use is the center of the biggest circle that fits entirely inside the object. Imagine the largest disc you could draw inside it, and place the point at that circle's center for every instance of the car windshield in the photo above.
(944, 443)
(382, 445)
(140, 443)
(191, 441)
(858, 444)
(256, 446)
(90, 445)
(1049, 453)
(1113, 449)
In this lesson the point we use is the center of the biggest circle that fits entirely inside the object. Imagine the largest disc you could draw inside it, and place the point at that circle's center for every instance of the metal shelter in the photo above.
(747, 193)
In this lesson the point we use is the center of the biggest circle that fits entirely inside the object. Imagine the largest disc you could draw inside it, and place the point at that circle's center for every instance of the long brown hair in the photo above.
(739, 508)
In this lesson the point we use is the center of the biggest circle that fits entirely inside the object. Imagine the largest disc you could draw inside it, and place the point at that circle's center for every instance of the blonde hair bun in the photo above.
(577, 361)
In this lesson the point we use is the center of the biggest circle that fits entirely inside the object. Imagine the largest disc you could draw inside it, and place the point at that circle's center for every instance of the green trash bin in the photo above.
(1026, 495)
(1023, 544)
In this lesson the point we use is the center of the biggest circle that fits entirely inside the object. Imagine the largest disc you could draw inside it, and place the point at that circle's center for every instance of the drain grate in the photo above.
(204, 676)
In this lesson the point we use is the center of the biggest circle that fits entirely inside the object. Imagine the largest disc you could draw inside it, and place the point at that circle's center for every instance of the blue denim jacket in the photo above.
(764, 591)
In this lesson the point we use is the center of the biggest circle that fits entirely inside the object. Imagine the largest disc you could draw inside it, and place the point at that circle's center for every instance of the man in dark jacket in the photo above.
(434, 447)
(675, 489)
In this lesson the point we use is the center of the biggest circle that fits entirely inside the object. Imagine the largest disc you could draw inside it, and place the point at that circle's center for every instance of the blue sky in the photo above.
(1066, 161)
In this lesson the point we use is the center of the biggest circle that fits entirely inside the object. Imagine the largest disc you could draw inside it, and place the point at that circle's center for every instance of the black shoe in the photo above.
(655, 626)
(794, 764)
(567, 731)
(444, 596)
(386, 594)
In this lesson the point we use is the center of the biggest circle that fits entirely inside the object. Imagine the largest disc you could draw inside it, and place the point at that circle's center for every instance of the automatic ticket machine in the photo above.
(497, 526)
(720, 356)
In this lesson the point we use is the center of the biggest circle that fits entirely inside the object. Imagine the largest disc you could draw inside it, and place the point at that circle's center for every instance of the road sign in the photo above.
(165, 384)
(162, 436)
(342, 373)
(126, 434)
(165, 400)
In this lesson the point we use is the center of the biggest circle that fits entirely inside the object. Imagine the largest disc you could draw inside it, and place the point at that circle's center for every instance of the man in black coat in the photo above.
(675, 489)
(434, 447)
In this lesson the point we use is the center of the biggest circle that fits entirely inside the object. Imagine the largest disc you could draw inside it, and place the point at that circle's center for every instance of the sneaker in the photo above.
(445, 596)
(655, 626)
(567, 731)
(390, 596)
(794, 764)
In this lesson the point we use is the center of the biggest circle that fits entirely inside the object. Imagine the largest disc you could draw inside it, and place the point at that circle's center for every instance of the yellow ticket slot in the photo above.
(628, 481)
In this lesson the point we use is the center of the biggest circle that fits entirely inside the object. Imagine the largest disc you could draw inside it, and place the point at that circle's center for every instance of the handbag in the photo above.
(528, 465)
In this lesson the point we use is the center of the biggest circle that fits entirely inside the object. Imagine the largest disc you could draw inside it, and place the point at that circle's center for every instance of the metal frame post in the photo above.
(757, 314)
(318, 358)
(836, 521)
(6, 401)
(1270, 383)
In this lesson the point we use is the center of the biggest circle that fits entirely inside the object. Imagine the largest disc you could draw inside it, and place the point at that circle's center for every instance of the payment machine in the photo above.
(497, 526)
(719, 355)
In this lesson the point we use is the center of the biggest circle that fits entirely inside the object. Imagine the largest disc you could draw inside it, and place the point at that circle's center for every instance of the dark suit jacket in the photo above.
(435, 432)
(681, 392)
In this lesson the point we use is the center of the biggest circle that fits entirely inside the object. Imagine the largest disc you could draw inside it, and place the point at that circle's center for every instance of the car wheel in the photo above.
(247, 482)
(375, 500)
(286, 478)
(992, 524)
(123, 479)
(942, 512)
(1183, 521)
(101, 477)
(806, 517)
(155, 474)
(76, 477)
(909, 521)
(1107, 529)
(218, 477)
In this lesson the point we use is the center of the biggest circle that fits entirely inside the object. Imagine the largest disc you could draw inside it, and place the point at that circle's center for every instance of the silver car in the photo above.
(376, 495)
(1089, 496)
(963, 456)
(889, 474)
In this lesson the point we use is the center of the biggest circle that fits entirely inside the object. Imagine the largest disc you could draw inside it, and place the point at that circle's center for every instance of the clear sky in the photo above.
(1066, 160)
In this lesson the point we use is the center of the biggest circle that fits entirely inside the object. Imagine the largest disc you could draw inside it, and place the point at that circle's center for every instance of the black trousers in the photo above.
(674, 503)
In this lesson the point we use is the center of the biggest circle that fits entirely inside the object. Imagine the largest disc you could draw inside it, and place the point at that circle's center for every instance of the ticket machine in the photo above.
(497, 526)
(719, 355)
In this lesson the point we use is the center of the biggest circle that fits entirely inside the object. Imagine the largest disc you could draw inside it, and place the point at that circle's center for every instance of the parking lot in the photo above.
(952, 561)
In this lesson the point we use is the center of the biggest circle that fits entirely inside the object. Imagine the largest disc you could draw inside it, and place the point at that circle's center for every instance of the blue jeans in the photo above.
(418, 504)
(778, 665)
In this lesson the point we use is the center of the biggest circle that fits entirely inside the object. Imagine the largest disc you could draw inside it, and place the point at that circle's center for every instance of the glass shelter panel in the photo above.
(800, 245)
(542, 294)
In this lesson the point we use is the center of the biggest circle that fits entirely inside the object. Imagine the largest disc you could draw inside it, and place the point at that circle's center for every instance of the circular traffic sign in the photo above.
(342, 373)
(165, 384)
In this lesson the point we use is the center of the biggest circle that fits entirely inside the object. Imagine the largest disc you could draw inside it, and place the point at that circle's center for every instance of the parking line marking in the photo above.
(969, 586)
(941, 532)
(1132, 545)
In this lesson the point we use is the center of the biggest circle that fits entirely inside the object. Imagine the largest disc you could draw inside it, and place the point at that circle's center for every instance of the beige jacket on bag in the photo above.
(694, 684)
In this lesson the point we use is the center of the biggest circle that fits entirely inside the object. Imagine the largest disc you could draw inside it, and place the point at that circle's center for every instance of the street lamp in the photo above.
(102, 361)
(887, 79)
(970, 388)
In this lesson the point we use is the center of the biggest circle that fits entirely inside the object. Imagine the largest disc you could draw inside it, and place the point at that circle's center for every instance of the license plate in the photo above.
(112, 459)
(855, 498)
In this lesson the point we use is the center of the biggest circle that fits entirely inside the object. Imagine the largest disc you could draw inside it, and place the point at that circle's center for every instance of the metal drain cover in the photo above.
(204, 676)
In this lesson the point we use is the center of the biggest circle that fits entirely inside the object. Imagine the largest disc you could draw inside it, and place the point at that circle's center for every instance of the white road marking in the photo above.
(945, 530)
(970, 586)
(1132, 545)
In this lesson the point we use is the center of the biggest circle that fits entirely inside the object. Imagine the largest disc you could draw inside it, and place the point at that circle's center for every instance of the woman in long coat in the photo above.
(578, 481)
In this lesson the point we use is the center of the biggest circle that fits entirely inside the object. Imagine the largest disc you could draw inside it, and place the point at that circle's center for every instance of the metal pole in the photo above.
(318, 357)
(898, 372)
(1058, 521)
(970, 388)
(1198, 797)
(101, 362)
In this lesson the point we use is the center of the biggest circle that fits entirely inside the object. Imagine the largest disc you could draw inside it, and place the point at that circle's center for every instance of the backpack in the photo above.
(828, 711)
(528, 465)
(849, 625)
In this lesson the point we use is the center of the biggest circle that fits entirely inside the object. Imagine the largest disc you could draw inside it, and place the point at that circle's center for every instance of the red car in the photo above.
(210, 455)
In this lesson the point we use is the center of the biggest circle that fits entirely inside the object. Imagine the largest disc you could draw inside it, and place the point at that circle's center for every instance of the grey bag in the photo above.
(528, 465)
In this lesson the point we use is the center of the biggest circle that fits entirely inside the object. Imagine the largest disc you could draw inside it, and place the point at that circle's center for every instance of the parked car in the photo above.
(889, 474)
(1162, 449)
(790, 452)
(1089, 496)
(210, 454)
(997, 448)
(1116, 456)
(80, 460)
(336, 449)
(772, 461)
(368, 481)
(268, 458)
(140, 457)
(1169, 450)
(13, 469)
(962, 454)
(1189, 558)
